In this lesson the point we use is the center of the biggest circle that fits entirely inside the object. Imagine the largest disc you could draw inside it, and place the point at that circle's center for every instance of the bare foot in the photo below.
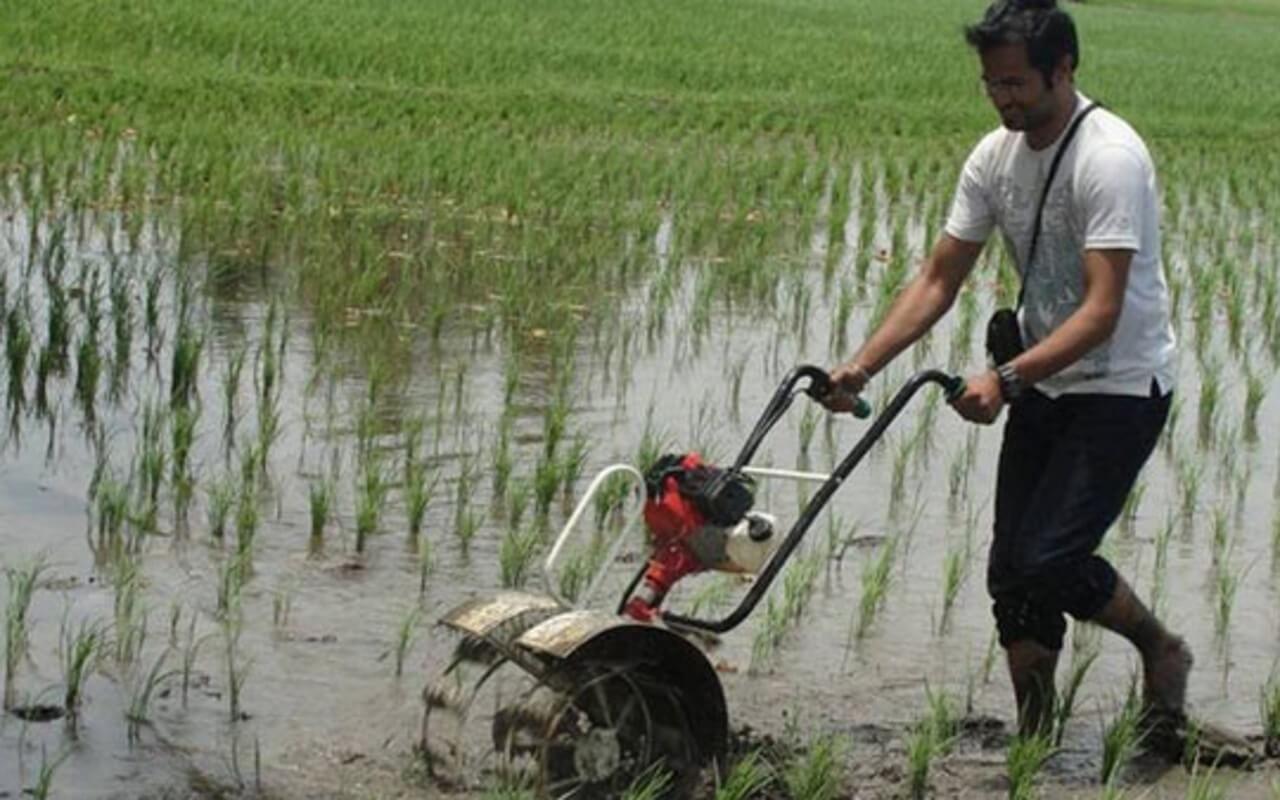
(1165, 676)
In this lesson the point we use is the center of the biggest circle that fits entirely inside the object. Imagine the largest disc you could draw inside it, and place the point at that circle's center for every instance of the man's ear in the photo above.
(1064, 71)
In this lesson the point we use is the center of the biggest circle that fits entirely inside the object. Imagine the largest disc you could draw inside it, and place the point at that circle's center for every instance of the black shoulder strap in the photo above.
(1044, 194)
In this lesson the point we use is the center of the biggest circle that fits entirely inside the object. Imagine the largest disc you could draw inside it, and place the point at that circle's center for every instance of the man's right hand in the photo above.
(847, 382)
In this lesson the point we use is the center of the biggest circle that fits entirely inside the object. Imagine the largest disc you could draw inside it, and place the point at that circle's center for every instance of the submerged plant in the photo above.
(1084, 652)
(406, 632)
(80, 650)
(1269, 714)
(748, 777)
(44, 776)
(17, 635)
(1121, 738)
(417, 496)
(320, 502)
(516, 554)
(371, 493)
(144, 688)
(816, 773)
(1025, 758)
(922, 746)
(876, 576)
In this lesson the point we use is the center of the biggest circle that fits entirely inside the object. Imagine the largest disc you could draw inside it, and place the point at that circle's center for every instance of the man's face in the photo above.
(1016, 89)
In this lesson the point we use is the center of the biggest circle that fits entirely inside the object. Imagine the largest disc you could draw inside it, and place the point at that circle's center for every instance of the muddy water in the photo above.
(324, 714)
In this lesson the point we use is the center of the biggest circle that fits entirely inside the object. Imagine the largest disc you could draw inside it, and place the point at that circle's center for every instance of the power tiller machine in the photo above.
(583, 703)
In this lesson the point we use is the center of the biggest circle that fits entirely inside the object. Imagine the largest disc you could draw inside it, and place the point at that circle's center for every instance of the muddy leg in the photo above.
(1166, 659)
(1031, 668)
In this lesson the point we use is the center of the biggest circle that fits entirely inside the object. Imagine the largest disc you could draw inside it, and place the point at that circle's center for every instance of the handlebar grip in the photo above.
(954, 386)
(820, 385)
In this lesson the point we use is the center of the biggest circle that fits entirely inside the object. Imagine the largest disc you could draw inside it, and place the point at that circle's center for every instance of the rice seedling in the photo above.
(45, 773)
(652, 784)
(232, 573)
(1190, 471)
(1221, 534)
(141, 692)
(112, 510)
(1121, 739)
(182, 434)
(151, 461)
(1226, 585)
(921, 750)
(17, 634)
(269, 430)
(516, 554)
(237, 670)
(1205, 785)
(555, 422)
(877, 574)
(129, 614)
(371, 494)
(17, 346)
(748, 777)
(406, 634)
(502, 460)
(817, 771)
(44, 369)
(611, 497)
(1085, 649)
(247, 518)
(1255, 391)
(808, 426)
(190, 652)
(281, 606)
(80, 650)
(898, 478)
(797, 589)
(232, 368)
(151, 313)
(1024, 759)
(955, 569)
(547, 476)
(941, 719)
(320, 497)
(1269, 714)
(1210, 397)
(653, 444)
(572, 464)
(184, 368)
(426, 564)
(736, 372)
(518, 501)
(222, 495)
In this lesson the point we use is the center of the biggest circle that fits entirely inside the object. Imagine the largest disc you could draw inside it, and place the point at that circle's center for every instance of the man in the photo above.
(1090, 393)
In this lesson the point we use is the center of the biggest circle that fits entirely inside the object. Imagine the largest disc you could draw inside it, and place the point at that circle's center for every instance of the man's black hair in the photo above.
(1046, 30)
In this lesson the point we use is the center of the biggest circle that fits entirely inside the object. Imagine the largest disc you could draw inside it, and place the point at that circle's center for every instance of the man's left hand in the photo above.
(982, 400)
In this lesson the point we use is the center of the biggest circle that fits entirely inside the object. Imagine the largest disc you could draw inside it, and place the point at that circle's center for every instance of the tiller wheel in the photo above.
(570, 703)
(582, 704)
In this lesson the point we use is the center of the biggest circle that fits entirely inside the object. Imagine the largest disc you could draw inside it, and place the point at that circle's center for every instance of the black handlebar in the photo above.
(818, 379)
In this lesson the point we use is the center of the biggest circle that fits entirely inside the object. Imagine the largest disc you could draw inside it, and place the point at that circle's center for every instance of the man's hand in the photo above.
(847, 382)
(982, 400)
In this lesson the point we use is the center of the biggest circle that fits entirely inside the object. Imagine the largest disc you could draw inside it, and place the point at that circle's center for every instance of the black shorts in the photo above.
(1066, 467)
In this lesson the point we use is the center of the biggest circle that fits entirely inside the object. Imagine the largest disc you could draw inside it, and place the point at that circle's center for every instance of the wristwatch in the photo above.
(1011, 385)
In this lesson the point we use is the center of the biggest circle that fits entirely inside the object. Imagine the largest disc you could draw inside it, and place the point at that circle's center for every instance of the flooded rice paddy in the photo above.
(254, 509)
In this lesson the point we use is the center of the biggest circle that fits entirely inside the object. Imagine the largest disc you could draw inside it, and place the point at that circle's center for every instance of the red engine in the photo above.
(672, 519)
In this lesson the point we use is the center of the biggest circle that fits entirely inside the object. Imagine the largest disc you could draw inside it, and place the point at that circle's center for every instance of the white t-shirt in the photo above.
(1104, 196)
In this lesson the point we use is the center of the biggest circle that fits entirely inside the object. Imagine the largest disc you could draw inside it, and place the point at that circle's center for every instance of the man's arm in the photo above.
(924, 300)
(1106, 275)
